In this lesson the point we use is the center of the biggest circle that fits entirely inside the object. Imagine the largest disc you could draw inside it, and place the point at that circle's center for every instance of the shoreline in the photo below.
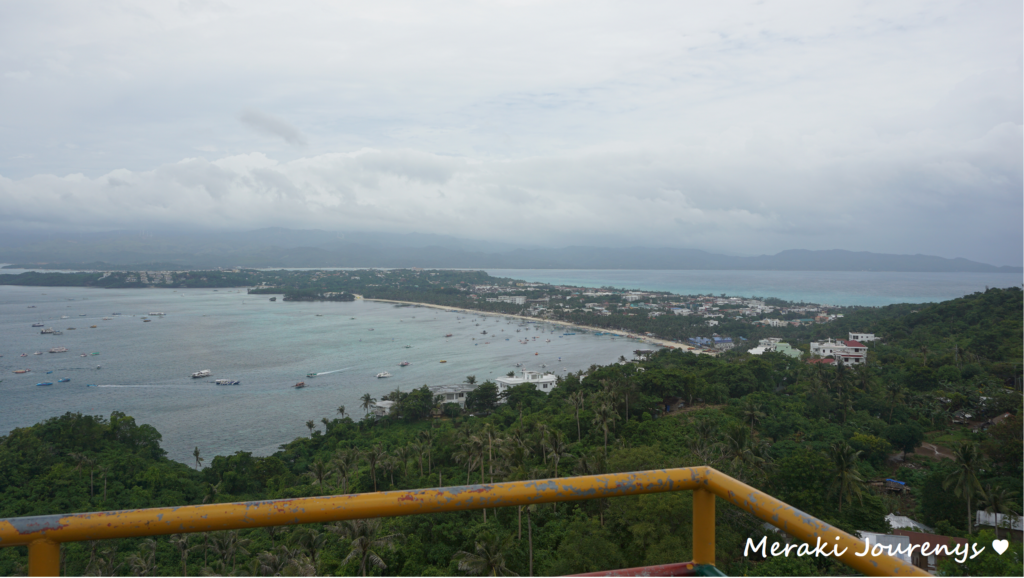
(666, 343)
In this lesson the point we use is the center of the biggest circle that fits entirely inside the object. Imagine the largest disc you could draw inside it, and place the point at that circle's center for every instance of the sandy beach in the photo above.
(643, 339)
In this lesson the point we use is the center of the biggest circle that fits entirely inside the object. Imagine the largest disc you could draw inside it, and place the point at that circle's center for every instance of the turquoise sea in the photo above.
(143, 368)
(824, 287)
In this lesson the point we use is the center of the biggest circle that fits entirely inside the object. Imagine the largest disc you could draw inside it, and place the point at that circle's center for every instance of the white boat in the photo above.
(383, 374)
(201, 373)
(227, 382)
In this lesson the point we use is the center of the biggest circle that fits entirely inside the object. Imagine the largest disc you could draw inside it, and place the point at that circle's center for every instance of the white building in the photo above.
(452, 393)
(515, 299)
(845, 352)
(544, 381)
(862, 337)
(381, 408)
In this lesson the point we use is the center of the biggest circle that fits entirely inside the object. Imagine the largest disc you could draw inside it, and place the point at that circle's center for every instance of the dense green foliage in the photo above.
(810, 435)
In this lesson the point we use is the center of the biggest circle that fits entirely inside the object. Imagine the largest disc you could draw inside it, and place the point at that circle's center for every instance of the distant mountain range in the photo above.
(277, 247)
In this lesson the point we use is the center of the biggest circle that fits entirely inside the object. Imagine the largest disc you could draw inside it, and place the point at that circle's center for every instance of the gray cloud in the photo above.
(734, 126)
(268, 125)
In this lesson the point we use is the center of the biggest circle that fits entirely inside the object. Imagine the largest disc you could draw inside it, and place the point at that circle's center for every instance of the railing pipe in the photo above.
(43, 533)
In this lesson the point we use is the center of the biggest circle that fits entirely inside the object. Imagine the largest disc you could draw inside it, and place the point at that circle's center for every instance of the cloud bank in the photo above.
(738, 127)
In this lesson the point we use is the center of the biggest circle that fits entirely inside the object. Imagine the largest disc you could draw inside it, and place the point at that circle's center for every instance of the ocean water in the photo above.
(144, 368)
(824, 287)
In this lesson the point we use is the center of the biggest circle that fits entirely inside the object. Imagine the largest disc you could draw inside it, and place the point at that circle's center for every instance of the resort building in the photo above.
(452, 393)
(863, 337)
(544, 381)
(846, 352)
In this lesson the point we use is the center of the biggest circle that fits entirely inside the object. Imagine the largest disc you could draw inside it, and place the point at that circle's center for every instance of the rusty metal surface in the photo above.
(805, 527)
(212, 517)
(678, 569)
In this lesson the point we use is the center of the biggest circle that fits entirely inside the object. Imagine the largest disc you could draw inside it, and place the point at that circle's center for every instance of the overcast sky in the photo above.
(738, 127)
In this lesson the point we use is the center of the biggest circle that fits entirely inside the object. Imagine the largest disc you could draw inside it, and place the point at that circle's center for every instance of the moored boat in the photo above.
(403, 364)
(45, 383)
(444, 361)
(64, 380)
(227, 382)
(22, 370)
(299, 385)
(59, 350)
(383, 374)
(201, 373)
(37, 325)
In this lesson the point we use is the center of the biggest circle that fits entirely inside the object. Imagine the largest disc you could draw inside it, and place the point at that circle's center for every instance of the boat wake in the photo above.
(333, 371)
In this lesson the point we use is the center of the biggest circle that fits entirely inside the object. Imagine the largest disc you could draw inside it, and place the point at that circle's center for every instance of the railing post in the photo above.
(703, 526)
(43, 558)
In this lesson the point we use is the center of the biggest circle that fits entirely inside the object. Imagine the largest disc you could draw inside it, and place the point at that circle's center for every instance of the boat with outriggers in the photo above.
(300, 385)
(383, 374)
(404, 364)
(227, 382)
(64, 380)
(44, 383)
(201, 373)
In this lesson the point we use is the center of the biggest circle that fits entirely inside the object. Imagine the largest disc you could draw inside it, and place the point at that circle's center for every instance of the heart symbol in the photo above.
(1000, 545)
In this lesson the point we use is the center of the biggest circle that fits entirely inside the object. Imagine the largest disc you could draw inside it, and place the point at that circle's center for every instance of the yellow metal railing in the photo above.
(44, 534)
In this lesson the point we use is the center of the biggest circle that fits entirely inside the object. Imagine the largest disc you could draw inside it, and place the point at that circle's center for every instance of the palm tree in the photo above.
(143, 562)
(491, 432)
(489, 559)
(365, 542)
(576, 401)
(314, 543)
(198, 458)
(181, 542)
(999, 501)
(557, 449)
(403, 454)
(893, 394)
(211, 492)
(319, 471)
(510, 374)
(366, 402)
(227, 545)
(341, 411)
(466, 455)
(847, 482)
(427, 436)
(529, 532)
(752, 414)
(344, 464)
(327, 425)
(964, 479)
(374, 455)
(311, 424)
(471, 379)
(604, 417)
